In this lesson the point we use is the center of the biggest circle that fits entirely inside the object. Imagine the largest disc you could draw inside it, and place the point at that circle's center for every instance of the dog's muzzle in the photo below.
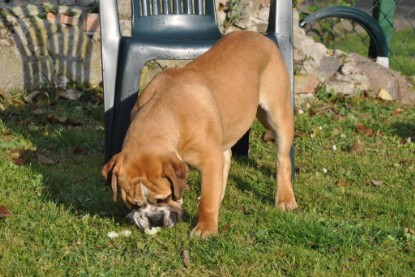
(154, 216)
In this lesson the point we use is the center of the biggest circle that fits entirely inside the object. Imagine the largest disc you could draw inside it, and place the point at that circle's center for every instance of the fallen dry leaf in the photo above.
(185, 258)
(4, 212)
(70, 94)
(38, 98)
(19, 155)
(398, 111)
(341, 183)
(79, 150)
(364, 129)
(358, 147)
(44, 160)
(6, 98)
(19, 161)
(38, 111)
(377, 183)
(5, 95)
(57, 119)
(52, 119)
(15, 153)
(299, 134)
(226, 228)
(30, 98)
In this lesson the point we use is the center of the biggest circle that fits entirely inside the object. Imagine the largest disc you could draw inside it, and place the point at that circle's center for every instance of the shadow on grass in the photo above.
(67, 154)
(245, 185)
(75, 149)
(405, 130)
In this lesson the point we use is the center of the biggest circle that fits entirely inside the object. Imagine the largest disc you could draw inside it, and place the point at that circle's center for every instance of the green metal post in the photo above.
(384, 13)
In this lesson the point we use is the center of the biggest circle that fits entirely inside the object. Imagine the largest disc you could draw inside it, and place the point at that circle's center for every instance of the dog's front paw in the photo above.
(204, 230)
(285, 200)
(287, 206)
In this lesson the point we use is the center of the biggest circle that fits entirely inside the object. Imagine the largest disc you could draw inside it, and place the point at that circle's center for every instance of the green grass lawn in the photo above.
(355, 186)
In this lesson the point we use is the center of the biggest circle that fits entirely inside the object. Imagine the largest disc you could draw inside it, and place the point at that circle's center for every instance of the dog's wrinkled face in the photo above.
(151, 186)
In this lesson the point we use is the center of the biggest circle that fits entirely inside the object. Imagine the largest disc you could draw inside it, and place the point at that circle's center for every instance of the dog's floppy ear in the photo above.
(176, 171)
(111, 171)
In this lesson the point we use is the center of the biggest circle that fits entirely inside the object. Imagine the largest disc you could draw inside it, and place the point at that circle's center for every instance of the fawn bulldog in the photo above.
(194, 115)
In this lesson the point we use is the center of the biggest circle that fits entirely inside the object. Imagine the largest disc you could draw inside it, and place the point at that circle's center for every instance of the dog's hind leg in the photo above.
(279, 120)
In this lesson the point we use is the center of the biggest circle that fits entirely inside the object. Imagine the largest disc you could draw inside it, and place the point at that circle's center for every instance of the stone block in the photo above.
(91, 23)
(85, 3)
(329, 66)
(26, 11)
(62, 19)
(42, 2)
(305, 83)
(67, 2)
(53, 18)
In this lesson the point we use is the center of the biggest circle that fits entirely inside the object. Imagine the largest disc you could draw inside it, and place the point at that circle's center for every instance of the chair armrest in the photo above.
(110, 43)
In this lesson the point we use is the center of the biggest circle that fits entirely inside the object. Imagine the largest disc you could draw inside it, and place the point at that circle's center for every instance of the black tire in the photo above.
(367, 22)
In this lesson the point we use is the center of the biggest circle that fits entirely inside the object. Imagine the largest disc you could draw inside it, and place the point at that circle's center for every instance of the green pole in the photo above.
(384, 13)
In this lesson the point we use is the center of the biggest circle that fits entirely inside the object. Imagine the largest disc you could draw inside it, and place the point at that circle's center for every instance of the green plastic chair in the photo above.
(170, 30)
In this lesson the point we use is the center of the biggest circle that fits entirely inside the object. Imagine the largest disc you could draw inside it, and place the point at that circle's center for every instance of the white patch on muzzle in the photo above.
(150, 216)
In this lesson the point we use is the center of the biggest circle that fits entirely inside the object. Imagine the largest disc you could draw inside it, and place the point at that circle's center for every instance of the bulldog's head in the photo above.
(151, 186)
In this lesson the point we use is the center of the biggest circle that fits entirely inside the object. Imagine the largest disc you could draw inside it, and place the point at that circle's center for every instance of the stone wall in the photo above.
(42, 43)
(52, 42)
(47, 41)
(20, 3)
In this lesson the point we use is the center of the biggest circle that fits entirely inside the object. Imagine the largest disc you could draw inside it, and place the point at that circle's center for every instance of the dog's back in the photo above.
(246, 66)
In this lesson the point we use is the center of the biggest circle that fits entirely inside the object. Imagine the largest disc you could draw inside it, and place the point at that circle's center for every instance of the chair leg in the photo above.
(109, 118)
(292, 159)
(130, 63)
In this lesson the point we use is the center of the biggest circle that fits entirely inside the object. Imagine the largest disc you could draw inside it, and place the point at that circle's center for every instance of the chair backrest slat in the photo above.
(142, 8)
(188, 7)
(174, 19)
(156, 7)
(177, 6)
(198, 7)
(166, 7)
(210, 7)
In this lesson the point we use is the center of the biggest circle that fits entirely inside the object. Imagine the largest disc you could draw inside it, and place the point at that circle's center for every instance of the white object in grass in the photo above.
(152, 231)
(112, 235)
(125, 233)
